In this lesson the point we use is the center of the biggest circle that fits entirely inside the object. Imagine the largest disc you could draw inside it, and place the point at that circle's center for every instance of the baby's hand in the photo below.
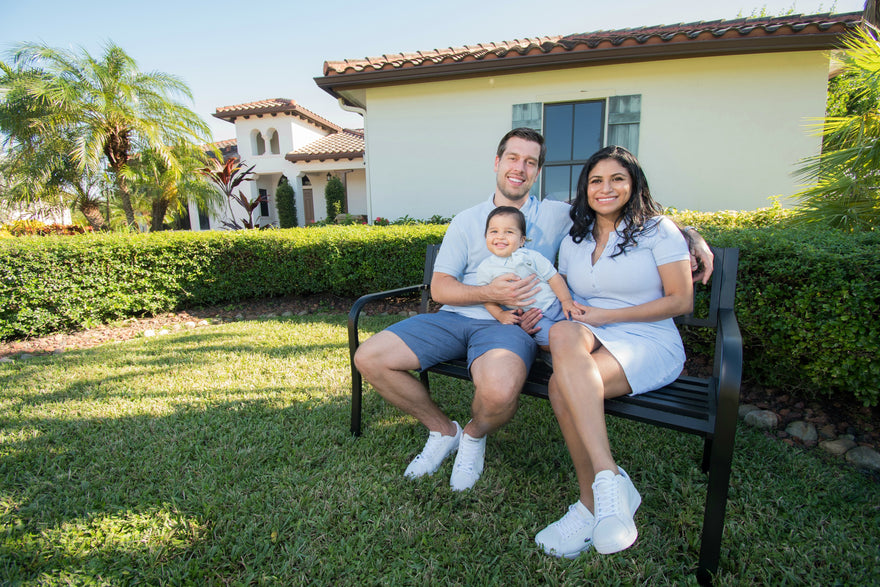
(509, 317)
(569, 307)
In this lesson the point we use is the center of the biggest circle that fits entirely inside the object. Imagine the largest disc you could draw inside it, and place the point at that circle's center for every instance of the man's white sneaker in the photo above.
(615, 502)
(570, 535)
(436, 449)
(468, 462)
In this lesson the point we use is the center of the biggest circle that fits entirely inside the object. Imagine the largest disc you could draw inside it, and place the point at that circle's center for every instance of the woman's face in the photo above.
(609, 188)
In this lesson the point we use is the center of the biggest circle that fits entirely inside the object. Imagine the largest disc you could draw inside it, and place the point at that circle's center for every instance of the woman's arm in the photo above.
(678, 298)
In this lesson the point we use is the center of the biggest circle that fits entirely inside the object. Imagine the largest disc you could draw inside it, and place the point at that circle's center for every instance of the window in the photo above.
(259, 143)
(204, 221)
(576, 130)
(573, 132)
(264, 205)
(274, 147)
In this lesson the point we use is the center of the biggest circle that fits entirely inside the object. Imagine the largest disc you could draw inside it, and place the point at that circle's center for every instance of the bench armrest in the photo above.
(358, 306)
(728, 363)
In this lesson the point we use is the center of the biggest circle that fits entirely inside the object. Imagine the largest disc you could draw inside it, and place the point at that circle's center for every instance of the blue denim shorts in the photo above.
(553, 315)
(444, 335)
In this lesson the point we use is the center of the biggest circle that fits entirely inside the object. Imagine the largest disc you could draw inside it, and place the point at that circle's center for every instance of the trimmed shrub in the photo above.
(808, 305)
(51, 284)
(285, 202)
(808, 302)
(334, 197)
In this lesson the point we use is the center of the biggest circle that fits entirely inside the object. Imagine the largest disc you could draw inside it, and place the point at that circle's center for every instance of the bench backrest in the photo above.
(722, 286)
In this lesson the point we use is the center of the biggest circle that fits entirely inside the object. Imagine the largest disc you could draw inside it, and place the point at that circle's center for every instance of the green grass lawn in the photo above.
(222, 456)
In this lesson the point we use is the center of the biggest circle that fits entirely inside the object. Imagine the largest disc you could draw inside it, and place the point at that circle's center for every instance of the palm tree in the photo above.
(38, 168)
(115, 109)
(844, 190)
(172, 189)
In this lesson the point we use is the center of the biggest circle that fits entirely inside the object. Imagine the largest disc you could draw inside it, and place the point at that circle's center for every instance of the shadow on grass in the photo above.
(224, 457)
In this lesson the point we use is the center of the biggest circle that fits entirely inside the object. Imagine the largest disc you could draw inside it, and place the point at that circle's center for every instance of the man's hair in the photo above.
(508, 211)
(528, 134)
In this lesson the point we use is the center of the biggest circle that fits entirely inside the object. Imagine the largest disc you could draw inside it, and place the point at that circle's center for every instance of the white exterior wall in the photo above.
(716, 133)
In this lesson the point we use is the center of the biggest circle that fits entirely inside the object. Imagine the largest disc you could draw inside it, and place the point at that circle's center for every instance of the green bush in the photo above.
(52, 284)
(807, 300)
(334, 197)
(808, 303)
(285, 203)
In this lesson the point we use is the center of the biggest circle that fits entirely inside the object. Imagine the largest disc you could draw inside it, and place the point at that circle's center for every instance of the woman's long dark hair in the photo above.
(635, 214)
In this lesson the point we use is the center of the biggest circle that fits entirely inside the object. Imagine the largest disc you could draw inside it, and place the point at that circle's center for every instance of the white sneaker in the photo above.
(570, 535)
(436, 449)
(615, 502)
(468, 462)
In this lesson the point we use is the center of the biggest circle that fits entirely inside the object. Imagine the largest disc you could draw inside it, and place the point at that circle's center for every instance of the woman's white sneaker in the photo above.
(615, 502)
(570, 535)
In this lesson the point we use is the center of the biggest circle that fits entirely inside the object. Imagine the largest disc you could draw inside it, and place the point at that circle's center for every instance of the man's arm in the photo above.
(507, 290)
(702, 259)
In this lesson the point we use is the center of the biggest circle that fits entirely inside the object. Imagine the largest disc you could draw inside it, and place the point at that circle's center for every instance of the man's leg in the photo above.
(385, 361)
(500, 358)
(498, 377)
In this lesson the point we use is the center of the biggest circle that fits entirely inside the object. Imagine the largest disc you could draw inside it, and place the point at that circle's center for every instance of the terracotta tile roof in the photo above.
(274, 106)
(793, 32)
(348, 144)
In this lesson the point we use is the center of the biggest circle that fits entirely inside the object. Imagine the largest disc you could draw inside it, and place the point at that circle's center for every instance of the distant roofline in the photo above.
(274, 107)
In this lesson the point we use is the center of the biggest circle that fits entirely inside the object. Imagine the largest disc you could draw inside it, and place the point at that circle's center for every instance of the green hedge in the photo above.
(808, 302)
(52, 284)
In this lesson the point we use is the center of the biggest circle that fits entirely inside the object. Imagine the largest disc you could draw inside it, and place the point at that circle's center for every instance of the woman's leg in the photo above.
(585, 374)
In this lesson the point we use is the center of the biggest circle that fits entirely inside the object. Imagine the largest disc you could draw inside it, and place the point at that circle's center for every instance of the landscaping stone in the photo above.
(804, 431)
(189, 324)
(827, 431)
(25, 356)
(6, 360)
(864, 458)
(746, 409)
(838, 447)
(287, 314)
(764, 419)
(149, 332)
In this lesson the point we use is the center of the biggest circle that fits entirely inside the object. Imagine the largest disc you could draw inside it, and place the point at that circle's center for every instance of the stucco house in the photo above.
(283, 139)
(719, 113)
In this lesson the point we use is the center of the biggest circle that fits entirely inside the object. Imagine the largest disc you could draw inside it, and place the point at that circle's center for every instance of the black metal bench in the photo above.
(706, 407)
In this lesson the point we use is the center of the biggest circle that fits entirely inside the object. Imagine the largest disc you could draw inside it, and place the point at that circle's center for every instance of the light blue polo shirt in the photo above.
(464, 245)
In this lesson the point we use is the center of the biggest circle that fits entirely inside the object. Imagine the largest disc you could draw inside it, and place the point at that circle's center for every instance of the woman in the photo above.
(627, 267)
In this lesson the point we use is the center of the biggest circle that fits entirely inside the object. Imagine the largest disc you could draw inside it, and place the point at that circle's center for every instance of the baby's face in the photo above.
(503, 236)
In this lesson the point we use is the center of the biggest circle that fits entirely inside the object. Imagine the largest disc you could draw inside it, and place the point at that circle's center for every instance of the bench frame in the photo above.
(706, 407)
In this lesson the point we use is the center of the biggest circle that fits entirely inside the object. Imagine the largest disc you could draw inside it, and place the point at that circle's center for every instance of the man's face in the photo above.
(517, 169)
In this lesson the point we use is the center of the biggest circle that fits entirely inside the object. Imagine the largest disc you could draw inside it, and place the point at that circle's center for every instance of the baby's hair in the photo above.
(509, 211)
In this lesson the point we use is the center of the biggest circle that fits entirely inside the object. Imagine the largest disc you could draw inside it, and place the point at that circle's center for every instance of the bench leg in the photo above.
(707, 455)
(357, 390)
(720, 463)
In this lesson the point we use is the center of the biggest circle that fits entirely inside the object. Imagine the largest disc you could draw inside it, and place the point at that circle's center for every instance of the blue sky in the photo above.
(228, 53)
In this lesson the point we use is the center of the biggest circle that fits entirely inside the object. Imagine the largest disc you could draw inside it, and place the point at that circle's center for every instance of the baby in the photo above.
(505, 236)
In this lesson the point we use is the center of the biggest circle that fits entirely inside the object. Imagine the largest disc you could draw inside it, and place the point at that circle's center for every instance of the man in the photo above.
(499, 355)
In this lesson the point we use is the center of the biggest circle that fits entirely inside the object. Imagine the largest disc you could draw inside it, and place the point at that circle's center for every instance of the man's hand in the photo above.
(528, 320)
(511, 291)
(702, 259)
